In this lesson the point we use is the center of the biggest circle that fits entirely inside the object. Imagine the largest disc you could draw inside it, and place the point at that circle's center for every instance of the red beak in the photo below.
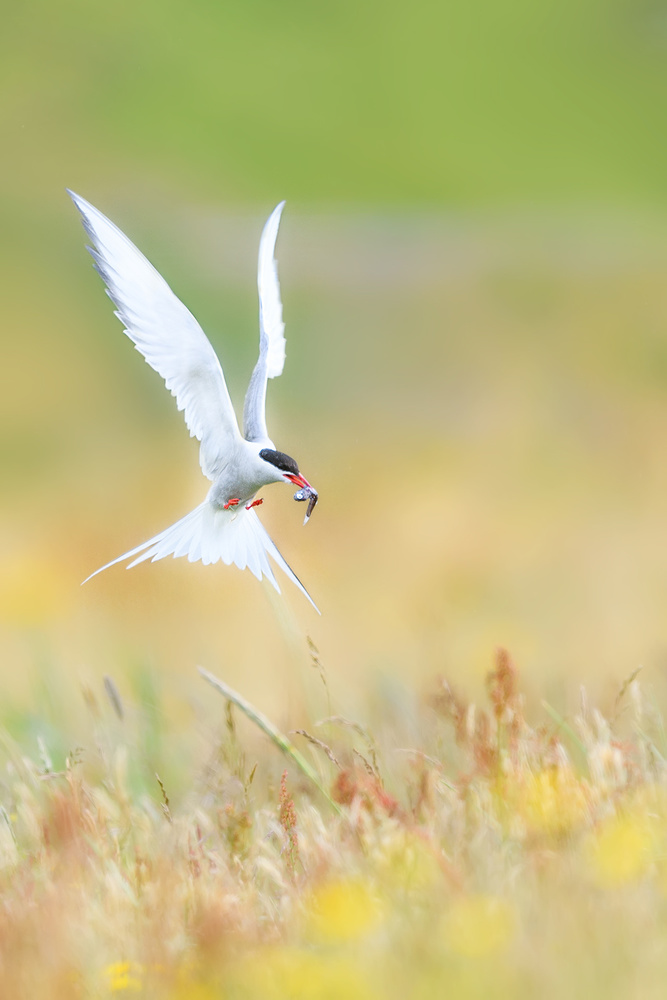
(298, 480)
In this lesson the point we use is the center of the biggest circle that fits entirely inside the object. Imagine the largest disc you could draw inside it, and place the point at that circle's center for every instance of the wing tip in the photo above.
(77, 199)
(270, 231)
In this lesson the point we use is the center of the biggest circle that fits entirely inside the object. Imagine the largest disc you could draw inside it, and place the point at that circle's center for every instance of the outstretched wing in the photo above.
(168, 336)
(271, 359)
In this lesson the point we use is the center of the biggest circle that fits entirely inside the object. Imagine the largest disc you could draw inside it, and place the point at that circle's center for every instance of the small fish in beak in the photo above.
(309, 494)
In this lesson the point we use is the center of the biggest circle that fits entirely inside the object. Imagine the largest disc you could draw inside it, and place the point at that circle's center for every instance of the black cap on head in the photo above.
(280, 460)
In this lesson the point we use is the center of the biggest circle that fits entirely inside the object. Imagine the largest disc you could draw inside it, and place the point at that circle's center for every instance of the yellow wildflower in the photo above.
(295, 974)
(554, 801)
(342, 911)
(124, 977)
(622, 849)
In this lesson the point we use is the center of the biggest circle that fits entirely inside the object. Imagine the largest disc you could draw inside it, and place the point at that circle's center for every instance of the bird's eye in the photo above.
(280, 460)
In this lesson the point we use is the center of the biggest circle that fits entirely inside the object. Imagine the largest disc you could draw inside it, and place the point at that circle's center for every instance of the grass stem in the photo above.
(274, 734)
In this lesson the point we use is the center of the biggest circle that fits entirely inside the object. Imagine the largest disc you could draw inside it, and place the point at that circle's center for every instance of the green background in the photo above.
(356, 104)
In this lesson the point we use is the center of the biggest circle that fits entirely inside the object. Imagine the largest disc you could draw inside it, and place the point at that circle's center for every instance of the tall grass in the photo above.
(497, 855)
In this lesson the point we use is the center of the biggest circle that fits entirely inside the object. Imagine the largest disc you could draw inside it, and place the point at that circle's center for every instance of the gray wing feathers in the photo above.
(167, 334)
(271, 359)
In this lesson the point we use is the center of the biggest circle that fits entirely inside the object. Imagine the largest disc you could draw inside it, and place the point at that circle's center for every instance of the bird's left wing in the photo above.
(168, 336)
(271, 332)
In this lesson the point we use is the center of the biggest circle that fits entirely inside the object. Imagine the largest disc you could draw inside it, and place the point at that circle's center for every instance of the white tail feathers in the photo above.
(212, 534)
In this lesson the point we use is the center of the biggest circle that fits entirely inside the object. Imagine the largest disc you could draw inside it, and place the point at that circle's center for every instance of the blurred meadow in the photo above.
(472, 259)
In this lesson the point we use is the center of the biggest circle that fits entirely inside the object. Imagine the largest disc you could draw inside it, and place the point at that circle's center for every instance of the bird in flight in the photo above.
(225, 526)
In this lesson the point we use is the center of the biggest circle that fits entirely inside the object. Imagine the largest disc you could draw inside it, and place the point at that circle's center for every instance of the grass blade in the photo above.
(274, 734)
(566, 727)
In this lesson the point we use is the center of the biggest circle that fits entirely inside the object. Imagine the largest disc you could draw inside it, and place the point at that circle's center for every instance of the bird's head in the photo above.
(288, 471)
(285, 467)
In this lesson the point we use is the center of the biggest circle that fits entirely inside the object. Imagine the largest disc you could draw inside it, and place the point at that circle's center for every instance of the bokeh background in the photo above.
(473, 261)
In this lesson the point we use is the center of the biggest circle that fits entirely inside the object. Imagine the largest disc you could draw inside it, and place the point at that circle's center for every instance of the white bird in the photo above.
(225, 526)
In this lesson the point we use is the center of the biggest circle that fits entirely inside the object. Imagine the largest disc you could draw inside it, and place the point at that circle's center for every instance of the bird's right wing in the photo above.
(168, 336)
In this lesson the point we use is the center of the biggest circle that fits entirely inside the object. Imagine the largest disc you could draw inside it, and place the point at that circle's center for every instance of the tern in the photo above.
(225, 526)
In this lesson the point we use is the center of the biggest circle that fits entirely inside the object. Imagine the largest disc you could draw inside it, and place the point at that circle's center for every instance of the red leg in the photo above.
(231, 503)
(255, 503)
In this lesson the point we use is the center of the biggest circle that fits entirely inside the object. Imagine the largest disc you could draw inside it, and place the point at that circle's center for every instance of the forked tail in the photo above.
(211, 534)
